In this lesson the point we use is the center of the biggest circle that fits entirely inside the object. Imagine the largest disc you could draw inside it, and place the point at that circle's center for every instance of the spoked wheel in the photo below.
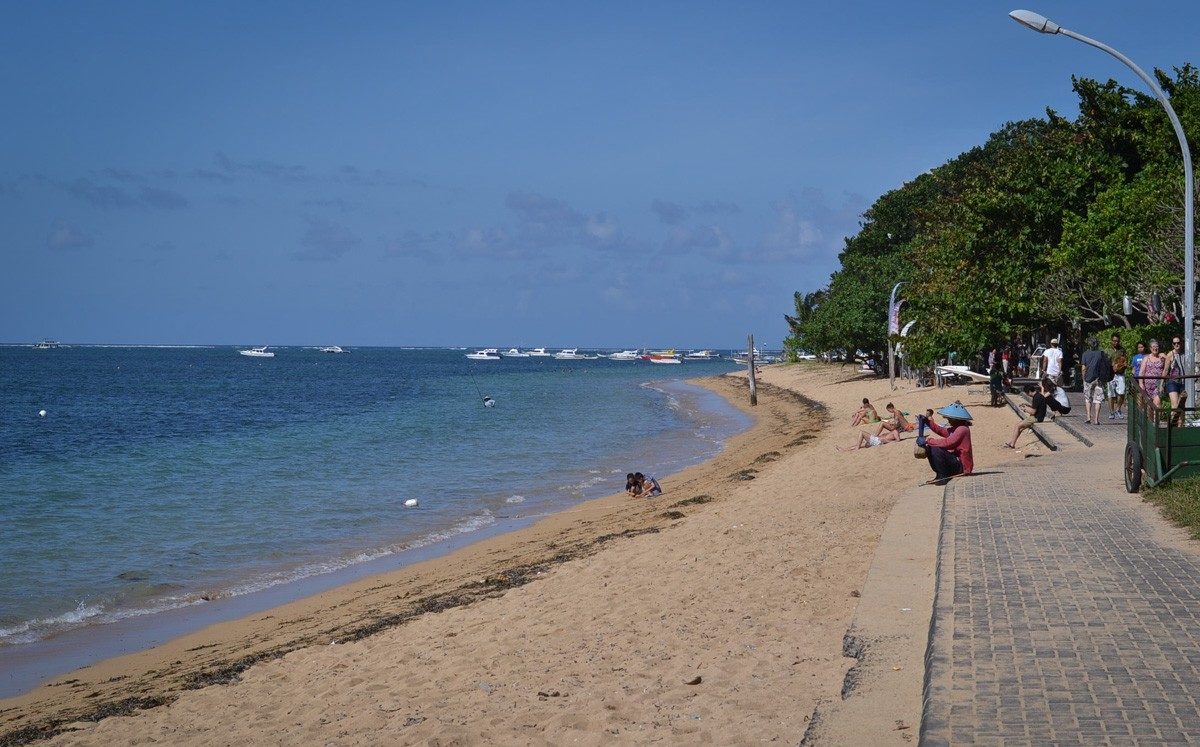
(1133, 467)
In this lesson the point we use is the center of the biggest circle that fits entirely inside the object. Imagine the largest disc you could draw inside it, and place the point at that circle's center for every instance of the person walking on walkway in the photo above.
(1173, 373)
(949, 452)
(1097, 372)
(1052, 359)
(1151, 373)
(1116, 387)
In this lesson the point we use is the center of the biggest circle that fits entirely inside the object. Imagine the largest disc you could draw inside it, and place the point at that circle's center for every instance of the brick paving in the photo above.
(1062, 615)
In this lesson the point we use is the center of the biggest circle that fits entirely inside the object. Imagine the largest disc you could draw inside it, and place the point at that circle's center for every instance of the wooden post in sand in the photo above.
(753, 383)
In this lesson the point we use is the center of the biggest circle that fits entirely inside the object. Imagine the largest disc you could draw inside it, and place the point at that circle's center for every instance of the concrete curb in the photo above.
(882, 696)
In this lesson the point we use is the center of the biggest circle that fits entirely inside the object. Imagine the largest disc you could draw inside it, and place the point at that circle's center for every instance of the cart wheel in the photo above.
(1133, 467)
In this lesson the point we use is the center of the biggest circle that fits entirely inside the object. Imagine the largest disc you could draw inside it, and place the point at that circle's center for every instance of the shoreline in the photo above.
(484, 568)
(25, 665)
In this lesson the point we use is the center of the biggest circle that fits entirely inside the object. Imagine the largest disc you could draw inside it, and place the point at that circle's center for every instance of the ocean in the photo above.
(168, 477)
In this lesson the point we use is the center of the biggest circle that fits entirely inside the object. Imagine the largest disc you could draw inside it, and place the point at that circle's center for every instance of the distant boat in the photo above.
(513, 353)
(258, 352)
(46, 345)
(570, 354)
(332, 349)
(487, 354)
(625, 355)
(539, 353)
(703, 355)
(662, 356)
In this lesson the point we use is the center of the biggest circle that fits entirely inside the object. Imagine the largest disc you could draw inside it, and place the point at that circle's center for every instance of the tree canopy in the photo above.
(1051, 221)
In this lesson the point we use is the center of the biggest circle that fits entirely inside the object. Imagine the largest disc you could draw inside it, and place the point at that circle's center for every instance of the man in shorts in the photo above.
(1116, 387)
(1097, 372)
(1034, 413)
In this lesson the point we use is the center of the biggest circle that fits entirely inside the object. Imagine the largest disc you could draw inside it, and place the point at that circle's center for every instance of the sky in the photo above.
(607, 174)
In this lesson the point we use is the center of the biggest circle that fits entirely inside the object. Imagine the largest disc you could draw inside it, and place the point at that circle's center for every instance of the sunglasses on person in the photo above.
(1176, 342)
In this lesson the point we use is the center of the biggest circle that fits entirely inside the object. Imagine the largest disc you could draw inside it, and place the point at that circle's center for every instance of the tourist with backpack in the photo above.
(1097, 372)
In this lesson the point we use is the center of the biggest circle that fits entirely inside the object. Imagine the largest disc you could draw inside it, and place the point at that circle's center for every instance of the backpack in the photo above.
(1104, 369)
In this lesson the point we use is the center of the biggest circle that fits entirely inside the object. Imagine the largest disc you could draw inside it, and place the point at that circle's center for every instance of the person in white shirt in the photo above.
(1052, 362)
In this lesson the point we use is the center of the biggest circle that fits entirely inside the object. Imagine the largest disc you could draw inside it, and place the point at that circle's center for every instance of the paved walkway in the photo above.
(1067, 611)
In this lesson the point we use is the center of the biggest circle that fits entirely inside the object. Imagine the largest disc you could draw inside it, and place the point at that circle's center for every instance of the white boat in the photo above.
(258, 352)
(332, 349)
(46, 345)
(513, 353)
(703, 355)
(625, 355)
(661, 356)
(570, 354)
(487, 354)
(539, 353)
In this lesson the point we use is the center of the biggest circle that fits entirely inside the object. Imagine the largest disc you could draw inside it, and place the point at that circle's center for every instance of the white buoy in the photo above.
(411, 503)
(41, 413)
(489, 402)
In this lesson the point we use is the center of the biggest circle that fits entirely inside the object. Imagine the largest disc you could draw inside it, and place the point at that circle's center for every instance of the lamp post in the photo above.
(1044, 25)
(892, 345)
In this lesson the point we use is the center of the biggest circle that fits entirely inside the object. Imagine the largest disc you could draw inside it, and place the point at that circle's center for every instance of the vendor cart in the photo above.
(1160, 445)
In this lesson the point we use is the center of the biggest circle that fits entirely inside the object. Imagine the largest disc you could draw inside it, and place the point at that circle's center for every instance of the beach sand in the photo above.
(713, 613)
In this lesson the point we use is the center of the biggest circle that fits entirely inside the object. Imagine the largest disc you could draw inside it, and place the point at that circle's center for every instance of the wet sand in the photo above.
(713, 613)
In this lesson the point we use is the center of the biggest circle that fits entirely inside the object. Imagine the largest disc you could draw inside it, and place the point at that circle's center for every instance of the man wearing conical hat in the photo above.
(949, 451)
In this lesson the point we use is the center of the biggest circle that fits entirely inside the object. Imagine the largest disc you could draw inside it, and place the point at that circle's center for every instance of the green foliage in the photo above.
(1131, 336)
(1050, 222)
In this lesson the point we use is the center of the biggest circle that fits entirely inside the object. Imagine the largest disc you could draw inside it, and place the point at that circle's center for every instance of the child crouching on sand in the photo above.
(640, 486)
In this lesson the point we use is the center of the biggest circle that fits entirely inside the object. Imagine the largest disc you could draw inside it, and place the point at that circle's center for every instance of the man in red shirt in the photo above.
(949, 452)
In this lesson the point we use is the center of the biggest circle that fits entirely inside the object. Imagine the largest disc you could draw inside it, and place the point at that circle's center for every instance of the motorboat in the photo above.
(703, 355)
(570, 354)
(661, 356)
(513, 353)
(625, 355)
(540, 353)
(487, 354)
(258, 352)
(332, 349)
(46, 345)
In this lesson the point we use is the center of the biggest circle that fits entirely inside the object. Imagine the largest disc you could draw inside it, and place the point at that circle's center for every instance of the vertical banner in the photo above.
(894, 318)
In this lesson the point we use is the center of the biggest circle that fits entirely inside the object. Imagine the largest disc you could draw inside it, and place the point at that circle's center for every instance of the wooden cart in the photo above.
(1160, 446)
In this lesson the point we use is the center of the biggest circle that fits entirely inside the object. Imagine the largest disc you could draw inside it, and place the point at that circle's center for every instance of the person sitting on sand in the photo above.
(949, 451)
(648, 487)
(1035, 413)
(866, 440)
(897, 422)
(631, 485)
(865, 414)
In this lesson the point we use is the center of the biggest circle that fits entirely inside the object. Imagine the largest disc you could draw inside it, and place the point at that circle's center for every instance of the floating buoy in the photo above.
(411, 503)
(489, 402)
(41, 413)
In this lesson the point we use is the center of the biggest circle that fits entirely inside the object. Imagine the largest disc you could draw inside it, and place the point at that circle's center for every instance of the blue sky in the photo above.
(591, 174)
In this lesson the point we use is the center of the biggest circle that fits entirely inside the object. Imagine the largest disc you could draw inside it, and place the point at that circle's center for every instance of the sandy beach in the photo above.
(712, 614)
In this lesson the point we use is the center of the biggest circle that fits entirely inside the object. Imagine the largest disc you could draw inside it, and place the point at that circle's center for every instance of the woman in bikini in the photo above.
(865, 414)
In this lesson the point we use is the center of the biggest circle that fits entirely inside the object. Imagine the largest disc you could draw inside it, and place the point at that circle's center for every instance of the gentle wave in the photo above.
(95, 613)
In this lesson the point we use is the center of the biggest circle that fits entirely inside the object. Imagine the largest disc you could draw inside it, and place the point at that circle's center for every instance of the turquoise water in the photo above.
(167, 477)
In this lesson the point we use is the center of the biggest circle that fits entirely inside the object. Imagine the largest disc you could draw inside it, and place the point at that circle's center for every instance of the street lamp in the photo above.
(892, 345)
(1044, 25)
